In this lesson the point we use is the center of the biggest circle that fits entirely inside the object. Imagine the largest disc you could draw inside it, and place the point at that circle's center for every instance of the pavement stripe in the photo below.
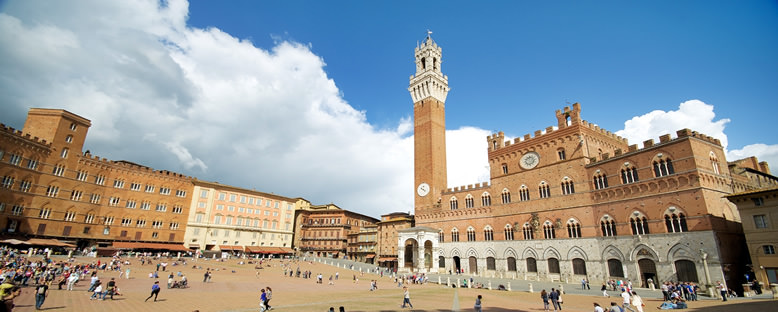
(455, 306)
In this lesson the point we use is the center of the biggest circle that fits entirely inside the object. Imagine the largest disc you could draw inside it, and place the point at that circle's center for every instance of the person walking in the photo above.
(477, 306)
(554, 296)
(40, 294)
(269, 295)
(263, 300)
(406, 298)
(722, 290)
(154, 291)
(544, 296)
(637, 302)
(626, 299)
(605, 291)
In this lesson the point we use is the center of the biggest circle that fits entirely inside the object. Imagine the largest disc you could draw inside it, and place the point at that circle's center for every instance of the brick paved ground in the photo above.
(239, 291)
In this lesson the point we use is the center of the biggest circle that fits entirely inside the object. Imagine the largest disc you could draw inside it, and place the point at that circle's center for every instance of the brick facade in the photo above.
(576, 201)
(53, 189)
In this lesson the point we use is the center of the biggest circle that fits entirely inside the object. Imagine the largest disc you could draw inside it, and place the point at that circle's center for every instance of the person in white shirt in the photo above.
(637, 302)
(626, 297)
(598, 308)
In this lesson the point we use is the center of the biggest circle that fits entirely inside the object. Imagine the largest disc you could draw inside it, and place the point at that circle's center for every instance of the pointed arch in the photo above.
(612, 252)
(551, 252)
(577, 252)
(643, 251)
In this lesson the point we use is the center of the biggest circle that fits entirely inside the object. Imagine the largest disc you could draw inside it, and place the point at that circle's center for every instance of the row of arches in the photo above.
(577, 262)
(674, 221)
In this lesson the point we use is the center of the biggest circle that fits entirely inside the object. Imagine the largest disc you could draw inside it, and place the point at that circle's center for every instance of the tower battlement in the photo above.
(650, 143)
(604, 132)
(470, 187)
(565, 118)
(25, 136)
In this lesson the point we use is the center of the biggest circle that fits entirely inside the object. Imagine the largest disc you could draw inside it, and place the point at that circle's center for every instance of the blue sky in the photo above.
(512, 63)
(309, 98)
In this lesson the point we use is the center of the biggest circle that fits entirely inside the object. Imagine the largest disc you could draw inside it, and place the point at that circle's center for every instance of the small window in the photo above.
(768, 249)
(758, 201)
(69, 139)
(504, 168)
(561, 154)
(73, 126)
(760, 221)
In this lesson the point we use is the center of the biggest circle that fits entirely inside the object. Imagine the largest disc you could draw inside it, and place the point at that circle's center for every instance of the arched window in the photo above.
(454, 235)
(579, 266)
(488, 233)
(532, 265)
(511, 264)
(524, 193)
(486, 199)
(615, 269)
(527, 229)
(608, 226)
(573, 228)
(504, 168)
(639, 223)
(544, 190)
(675, 221)
(490, 263)
(561, 154)
(600, 180)
(508, 232)
(629, 174)
(553, 265)
(548, 230)
(441, 236)
(69, 216)
(453, 203)
(506, 196)
(663, 167)
(714, 161)
(470, 234)
(469, 201)
(568, 187)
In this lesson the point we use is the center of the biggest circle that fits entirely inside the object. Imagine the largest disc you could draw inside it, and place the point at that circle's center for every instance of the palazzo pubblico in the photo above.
(574, 201)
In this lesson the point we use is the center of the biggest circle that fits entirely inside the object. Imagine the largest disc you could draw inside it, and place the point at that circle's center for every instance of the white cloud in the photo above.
(202, 102)
(692, 114)
(466, 156)
(695, 115)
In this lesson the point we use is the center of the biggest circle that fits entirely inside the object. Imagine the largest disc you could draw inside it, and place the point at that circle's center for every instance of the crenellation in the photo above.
(666, 138)
(685, 132)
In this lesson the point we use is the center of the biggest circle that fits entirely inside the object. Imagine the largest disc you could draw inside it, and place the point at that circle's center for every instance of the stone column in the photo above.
(420, 265)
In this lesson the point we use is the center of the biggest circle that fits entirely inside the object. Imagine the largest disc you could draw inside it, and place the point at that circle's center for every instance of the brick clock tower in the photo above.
(428, 88)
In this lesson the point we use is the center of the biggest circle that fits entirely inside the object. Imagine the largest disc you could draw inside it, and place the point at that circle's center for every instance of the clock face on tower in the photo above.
(423, 189)
(529, 160)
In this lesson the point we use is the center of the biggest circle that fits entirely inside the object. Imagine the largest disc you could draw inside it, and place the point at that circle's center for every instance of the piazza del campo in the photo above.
(571, 207)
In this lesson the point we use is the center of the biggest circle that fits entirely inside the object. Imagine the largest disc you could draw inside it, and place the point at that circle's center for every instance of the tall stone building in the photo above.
(760, 224)
(51, 189)
(323, 230)
(572, 201)
(235, 220)
(388, 234)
